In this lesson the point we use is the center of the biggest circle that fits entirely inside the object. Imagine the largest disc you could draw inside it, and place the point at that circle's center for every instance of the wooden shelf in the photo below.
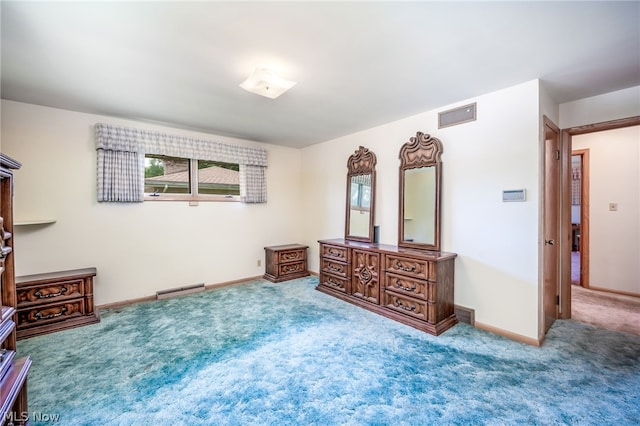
(34, 222)
(13, 372)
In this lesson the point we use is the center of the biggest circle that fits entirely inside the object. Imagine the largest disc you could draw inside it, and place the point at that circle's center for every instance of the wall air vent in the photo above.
(459, 115)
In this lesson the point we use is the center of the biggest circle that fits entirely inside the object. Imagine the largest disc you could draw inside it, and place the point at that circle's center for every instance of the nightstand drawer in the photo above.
(292, 268)
(46, 293)
(54, 312)
(292, 256)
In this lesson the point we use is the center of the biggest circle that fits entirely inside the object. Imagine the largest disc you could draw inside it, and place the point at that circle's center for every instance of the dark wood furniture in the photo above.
(55, 301)
(13, 372)
(285, 262)
(413, 282)
(414, 287)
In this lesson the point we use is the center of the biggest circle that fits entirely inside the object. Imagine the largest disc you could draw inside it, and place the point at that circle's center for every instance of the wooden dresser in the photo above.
(285, 262)
(414, 287)
(55, 301)
(13, 372)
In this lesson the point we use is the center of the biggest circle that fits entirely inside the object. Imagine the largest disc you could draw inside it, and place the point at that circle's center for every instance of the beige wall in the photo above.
(610, 106)
(142, 248)
(138, 248)
(614, 177)
(496, 242)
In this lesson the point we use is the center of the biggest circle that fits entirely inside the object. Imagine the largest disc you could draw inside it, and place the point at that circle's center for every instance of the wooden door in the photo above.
(551, 225)
(366, 276)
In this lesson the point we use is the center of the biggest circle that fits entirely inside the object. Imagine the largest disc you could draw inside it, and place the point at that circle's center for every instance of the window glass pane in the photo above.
(355, 194)
(365, 202)
(215, 178)
(166, 175)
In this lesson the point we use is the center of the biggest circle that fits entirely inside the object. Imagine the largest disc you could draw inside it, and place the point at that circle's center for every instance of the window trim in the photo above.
(193, 186)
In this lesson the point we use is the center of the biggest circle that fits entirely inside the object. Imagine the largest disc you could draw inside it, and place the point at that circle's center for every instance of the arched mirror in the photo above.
(361, 184)
(420, 176)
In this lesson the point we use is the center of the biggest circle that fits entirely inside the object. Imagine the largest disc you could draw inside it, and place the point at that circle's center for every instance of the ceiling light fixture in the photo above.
(266, 82)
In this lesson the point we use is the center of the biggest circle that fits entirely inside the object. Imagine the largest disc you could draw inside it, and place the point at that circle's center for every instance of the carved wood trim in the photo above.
(422, 150)
(362, 161)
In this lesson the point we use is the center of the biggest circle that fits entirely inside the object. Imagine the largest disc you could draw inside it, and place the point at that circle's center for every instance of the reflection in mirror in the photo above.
(419, 208)
(360, 214)
(360, 196)
(420, 205)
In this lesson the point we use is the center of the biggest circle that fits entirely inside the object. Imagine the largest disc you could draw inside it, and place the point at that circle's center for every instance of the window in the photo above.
(216, 178)
(174, 178)
(360, 196)
(166, 175)
(136, 165)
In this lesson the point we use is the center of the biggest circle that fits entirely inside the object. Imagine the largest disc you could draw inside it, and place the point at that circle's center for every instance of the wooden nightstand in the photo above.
(285, 262)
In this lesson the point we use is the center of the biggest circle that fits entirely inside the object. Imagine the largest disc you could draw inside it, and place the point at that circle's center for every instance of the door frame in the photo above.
(584, 215)
(566, 139)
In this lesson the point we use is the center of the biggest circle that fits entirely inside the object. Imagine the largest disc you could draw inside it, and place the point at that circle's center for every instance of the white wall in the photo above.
(597, 109)
(614, 177)
(496, 242)
(138, 248)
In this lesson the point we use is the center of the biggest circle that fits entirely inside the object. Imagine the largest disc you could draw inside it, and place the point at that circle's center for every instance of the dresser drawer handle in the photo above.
(405, 307)
(400, 286)
(335, 268)
(333, 283)
(39, 295)
(45, 317)
(291, 268)
(334, 253)
(290, 256)
(402, 268)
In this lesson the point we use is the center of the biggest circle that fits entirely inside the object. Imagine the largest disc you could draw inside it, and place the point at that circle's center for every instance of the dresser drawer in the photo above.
(415, 308)
(416, 268)
(50, 313)
(341, 254)
(48, 293)
(335, 268)
(335, 283)
(421, 289)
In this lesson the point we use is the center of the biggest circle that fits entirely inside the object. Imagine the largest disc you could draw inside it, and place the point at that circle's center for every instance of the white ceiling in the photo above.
(357, 65)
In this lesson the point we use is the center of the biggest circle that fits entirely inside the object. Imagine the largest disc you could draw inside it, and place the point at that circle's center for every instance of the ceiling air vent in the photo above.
(458, 115)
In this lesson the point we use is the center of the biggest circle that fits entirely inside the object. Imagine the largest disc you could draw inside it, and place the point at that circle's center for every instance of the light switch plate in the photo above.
(613, 207)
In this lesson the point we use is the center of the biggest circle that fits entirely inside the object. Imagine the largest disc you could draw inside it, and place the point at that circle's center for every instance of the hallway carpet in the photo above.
(607, 310)
(284, 354)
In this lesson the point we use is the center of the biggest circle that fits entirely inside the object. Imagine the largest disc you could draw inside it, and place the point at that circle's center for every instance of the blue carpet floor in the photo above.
(284, 354)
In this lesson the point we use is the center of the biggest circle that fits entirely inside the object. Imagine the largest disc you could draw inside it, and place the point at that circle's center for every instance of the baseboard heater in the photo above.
(179, 291)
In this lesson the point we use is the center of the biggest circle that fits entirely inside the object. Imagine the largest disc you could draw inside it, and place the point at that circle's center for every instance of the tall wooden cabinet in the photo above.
(414, 287)
(13, 372)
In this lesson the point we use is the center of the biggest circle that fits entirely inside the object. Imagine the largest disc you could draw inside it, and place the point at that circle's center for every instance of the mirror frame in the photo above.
(421, 151)
(361, 162)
